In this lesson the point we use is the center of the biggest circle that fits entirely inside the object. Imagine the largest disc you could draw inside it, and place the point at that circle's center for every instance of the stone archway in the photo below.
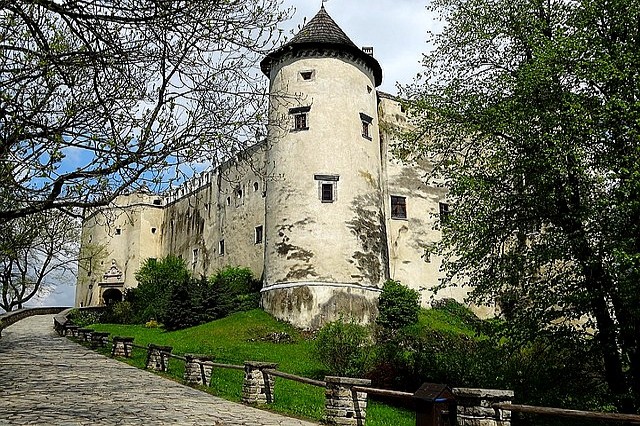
(111, 296)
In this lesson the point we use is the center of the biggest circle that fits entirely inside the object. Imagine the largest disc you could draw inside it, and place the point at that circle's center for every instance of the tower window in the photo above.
(307, 75)
(255, 186)
(398, 207)
(300, 122)
(153, 230)
(228, 201)
(221, 248)
(444, 211)
(327, 187)
(194, 259)
(365, 130)
(300, 117)
(327, 193)
(258, 235)
(118, 231)
(157, 202)
(366, 125)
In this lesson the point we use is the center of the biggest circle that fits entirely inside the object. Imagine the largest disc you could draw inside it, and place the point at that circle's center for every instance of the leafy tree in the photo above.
(157, 279)
(35, 252)
(398, 306)
(530, 111)
(99, 97)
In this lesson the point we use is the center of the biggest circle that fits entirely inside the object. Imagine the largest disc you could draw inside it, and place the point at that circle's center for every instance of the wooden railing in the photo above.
(351, 394)
(563, 412)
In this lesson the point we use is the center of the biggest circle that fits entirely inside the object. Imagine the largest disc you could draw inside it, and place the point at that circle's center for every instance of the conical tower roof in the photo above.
(322, 32)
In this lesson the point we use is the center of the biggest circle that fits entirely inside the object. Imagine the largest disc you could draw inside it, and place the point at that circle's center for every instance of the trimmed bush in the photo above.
(398, 306)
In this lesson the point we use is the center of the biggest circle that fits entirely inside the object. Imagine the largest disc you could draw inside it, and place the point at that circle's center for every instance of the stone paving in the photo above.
(49, 380)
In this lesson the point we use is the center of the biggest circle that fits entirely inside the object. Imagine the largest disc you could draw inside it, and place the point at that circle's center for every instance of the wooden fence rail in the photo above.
(563, 412)
(350, 395)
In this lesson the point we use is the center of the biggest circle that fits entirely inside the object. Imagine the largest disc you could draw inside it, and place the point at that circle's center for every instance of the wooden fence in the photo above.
(345, 398)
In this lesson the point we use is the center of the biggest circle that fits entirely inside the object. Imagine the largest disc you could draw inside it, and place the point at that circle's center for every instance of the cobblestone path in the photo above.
(48, 380)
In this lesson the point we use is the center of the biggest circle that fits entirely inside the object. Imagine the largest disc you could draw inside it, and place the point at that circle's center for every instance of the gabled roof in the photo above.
(322, 32)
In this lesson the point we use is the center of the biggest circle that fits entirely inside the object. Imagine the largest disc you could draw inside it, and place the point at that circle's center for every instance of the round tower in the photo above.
(326, 248)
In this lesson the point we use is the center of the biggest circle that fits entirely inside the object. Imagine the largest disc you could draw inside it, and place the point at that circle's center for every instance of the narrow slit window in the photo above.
(444, 212)
(366, 125)
(221, 248)
(258, 235)
(194, 258)
(398, 207)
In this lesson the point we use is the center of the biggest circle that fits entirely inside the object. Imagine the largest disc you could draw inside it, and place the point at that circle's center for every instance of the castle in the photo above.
(321, 210)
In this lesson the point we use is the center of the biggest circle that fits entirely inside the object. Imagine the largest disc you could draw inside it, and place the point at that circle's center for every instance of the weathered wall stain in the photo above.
(367, 226)
(303, 267)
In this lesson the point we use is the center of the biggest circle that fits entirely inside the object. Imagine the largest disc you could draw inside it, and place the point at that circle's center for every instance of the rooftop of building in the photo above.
(322, 32)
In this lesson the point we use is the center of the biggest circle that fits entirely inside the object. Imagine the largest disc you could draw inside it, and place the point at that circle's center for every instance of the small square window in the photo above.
(153, 230)
(118, 231)
(326, 194)
(300, 117)
(258, 235)
(398, 207)
(157, 202)
(444, 212)
(300, 122)
(221, 248)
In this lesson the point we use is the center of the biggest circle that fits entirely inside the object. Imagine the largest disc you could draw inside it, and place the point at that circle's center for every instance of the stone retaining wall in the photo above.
(12, 317)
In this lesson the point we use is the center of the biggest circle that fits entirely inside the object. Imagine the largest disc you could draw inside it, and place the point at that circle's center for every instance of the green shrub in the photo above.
(184, 307)
(156, 279)
(398, 306)
(344, 348)
(83, 318)
(231, 289)
(119, 313)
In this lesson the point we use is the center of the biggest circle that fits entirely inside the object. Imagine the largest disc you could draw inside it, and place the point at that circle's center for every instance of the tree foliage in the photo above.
(101, 97)
(530, 111)
(157, 279)
(35, 252)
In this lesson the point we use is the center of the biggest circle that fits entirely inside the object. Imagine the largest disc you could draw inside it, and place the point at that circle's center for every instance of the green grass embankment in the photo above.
(238, 338)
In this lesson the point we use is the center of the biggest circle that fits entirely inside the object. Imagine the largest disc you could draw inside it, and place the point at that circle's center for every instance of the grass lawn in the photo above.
(236, 339)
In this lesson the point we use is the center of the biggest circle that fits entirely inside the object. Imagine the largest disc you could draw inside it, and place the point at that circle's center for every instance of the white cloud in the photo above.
(397, 29)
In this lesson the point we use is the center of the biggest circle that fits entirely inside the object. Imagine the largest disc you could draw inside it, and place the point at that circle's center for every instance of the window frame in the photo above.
(258, 234)
(443, 211)
(366, 126)
(300, 116)
(399, 207)
(327, 180)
